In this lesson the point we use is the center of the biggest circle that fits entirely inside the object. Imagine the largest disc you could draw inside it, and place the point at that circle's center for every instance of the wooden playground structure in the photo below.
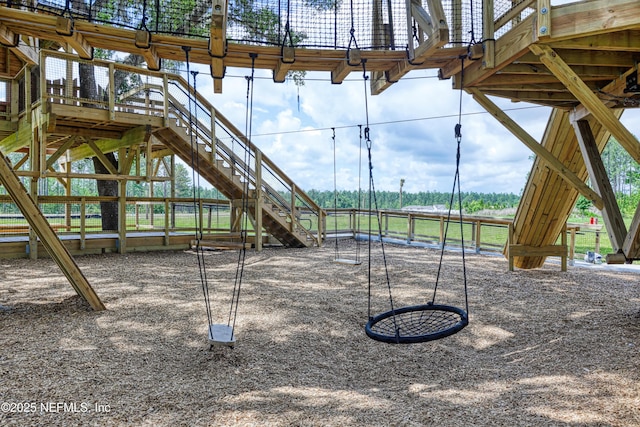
(580, 58)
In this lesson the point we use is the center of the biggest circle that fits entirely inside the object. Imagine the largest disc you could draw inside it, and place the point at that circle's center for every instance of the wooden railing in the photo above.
(478, 233)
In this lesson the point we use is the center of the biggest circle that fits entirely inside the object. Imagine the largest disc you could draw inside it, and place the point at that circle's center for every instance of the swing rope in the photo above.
(427, 322)
(195, 165)
(242, 254)
(335, 194)
(356, 223)
(456, 182)
(373, 201)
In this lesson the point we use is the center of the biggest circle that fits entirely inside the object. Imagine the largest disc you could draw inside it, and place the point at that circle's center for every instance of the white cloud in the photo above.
(411, 129)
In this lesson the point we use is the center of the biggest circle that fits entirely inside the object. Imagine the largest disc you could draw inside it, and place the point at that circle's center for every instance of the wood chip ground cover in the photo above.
(543, 347)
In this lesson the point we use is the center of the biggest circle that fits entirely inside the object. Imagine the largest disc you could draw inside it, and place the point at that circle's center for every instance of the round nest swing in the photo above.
(415, 324)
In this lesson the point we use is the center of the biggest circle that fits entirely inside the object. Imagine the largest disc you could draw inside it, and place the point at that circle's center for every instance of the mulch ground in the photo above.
(543, 347)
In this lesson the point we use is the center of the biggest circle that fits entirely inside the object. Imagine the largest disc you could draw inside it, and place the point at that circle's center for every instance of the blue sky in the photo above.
(411, 129)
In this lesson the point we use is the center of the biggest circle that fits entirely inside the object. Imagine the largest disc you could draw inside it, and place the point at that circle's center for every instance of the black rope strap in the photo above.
(428, 322)
(196, 189)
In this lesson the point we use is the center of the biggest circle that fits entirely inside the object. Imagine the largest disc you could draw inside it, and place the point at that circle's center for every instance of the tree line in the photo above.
(471, 201)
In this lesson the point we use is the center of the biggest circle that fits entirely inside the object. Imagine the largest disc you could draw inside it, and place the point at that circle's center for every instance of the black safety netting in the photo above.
(331, 24)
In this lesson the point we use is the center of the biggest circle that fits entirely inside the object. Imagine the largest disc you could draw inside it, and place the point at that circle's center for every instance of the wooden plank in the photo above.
(594, 17)
(590, 101)
(628, 41)
(612, 216)
(538, 149)
(47, 235)
(537, 251)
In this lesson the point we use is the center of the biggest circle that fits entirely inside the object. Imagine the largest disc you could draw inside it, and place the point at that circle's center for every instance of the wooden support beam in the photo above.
(435, 27)
(600, 181)
(57, 250)
(64, 28)
(218, 42)
(19, 139)
(30, 54)
(587, 98)
(342, 71)
(537, 148)
(134, 136)
(631, 245)
(147, 51)
(60, 151)
(103, 159)
(7, 37)
(610, 93)
(284, 65)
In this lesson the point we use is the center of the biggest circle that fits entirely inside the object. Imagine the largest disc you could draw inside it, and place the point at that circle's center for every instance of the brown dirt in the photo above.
(543, 347)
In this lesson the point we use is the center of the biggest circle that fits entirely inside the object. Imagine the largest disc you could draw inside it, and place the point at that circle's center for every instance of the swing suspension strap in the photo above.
(242, 254)
(373, 202)
(455, 191)
(196, 189)
(335, 195)
(427, 322)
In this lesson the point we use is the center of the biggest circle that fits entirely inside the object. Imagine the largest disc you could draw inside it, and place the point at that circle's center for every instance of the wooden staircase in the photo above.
(246, 177)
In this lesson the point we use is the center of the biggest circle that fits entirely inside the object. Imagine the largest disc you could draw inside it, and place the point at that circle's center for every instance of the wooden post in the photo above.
(112, 92)
(57, 250)
(199, 225)
(33, 235)
(122, 216)
(258, 204)
(488, 30)
(563, 243)
(165, 104)
(166, 221)
(83, 222)
(509, 243)
(572, 245)
(477, 235)
(441, 241)
(293, 207)
(409, 227)
(44, 104)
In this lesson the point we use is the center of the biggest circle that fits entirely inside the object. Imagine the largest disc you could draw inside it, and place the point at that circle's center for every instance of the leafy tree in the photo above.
(183, 181)
(583, 205)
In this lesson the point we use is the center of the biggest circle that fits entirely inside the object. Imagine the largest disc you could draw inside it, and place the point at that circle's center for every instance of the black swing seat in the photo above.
(415, 324)
(220, 334)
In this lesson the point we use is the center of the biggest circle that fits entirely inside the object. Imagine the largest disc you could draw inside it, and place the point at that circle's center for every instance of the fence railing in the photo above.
(478, 233)
(81, 215)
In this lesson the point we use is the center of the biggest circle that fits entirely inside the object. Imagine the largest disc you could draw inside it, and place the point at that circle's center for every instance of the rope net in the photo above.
(416, 324)
(300, 23)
